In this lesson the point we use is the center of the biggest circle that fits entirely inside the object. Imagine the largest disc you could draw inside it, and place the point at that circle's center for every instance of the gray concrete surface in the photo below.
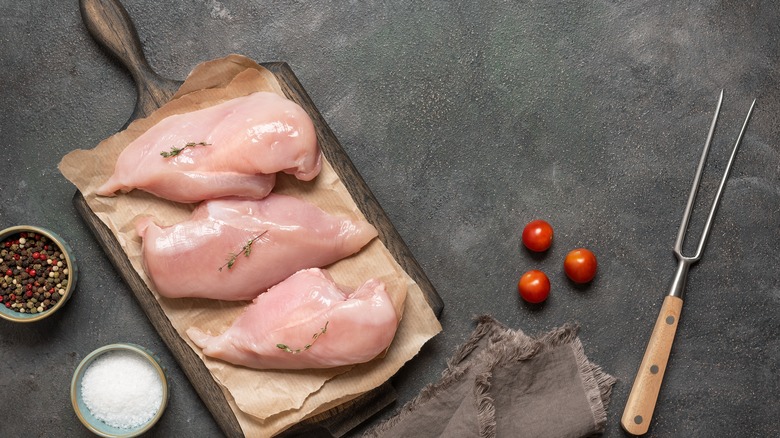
(467, 120)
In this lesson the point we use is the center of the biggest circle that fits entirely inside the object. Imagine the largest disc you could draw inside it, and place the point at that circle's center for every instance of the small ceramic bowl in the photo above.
(72, 275)
(96, 425)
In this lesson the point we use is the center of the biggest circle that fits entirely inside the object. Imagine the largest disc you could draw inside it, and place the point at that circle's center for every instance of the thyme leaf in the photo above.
(307, 346)
(176, 151)
(246, 250)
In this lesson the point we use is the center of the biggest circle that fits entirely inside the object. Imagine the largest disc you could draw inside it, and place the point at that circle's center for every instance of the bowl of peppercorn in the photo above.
(37, 273)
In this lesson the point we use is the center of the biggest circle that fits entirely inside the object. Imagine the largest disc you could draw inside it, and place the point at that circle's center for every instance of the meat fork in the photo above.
(644, 393)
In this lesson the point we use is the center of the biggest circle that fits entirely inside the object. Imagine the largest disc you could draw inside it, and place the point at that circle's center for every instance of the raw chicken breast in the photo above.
(231, 149)
(307, 321)
(235, 249)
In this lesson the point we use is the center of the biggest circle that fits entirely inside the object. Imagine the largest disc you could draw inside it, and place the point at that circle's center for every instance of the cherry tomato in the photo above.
(534, 286)
(580, 265)
(537, 235)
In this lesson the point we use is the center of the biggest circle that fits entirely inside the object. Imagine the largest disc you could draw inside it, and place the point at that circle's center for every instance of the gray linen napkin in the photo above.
(504, 383)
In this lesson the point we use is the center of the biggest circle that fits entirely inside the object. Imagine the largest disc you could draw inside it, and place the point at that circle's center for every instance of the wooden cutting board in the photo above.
(111, 26)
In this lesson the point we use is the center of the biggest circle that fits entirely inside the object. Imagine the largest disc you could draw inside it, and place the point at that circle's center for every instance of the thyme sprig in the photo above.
(307, 346)
(176, 151)
(246, 250)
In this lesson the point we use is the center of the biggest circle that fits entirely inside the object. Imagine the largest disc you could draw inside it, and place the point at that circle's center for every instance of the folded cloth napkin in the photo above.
(504, 383)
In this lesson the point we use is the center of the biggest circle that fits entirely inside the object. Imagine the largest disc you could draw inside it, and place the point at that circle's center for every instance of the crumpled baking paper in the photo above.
(264, 402)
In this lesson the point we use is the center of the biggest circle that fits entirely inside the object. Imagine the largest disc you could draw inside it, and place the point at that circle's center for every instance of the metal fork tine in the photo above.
(681, 233)
(726, 172)
(678, 244)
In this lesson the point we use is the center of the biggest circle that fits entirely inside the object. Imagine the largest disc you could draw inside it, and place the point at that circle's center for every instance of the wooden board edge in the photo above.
(341, 419)
(199, 376)
(337, 421)
(357, 187)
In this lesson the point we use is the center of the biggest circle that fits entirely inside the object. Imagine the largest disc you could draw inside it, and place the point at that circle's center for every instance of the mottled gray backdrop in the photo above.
(467, 120)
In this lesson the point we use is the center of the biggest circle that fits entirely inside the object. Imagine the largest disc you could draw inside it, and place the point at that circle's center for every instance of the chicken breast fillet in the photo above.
(231, 149)
(307, 321)
(235, 249)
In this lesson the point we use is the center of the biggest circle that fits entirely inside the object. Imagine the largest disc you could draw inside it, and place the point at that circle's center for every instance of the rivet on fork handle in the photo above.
(641, 402)
(647, 384)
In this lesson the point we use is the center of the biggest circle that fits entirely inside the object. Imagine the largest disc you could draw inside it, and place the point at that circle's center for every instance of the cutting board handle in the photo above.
(110, 25)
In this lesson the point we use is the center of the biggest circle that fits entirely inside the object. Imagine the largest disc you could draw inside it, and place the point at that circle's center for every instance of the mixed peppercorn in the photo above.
(34, 273)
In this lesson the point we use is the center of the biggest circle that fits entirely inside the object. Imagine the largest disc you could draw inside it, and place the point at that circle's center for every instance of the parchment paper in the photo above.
(264, 402)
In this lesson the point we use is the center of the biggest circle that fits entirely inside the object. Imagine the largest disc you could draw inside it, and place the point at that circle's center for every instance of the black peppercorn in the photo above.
(32, 267)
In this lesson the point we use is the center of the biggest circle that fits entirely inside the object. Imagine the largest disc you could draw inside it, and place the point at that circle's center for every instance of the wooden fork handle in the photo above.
(647, 384)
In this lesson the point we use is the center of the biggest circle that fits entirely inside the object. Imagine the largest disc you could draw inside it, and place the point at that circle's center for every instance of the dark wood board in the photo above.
(110, 25)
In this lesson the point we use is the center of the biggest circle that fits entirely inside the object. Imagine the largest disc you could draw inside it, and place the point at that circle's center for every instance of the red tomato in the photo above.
(537, 235)
(534, 286)
(580, 265)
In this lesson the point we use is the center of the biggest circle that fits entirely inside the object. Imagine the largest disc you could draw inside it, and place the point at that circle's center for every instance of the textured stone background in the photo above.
(467, 120)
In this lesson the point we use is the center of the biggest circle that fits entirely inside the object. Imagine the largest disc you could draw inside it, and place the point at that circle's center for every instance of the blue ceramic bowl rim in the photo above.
(95, 425)
(72, 273)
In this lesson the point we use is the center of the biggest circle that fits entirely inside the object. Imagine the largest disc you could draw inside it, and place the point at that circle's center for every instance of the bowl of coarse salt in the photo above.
(119, 390)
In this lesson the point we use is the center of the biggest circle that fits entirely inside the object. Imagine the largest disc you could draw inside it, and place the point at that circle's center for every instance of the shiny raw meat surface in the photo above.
(247, 141)
(275, 330)
(210, 255)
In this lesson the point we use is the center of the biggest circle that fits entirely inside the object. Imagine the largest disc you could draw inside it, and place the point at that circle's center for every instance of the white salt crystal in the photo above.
(122, 389)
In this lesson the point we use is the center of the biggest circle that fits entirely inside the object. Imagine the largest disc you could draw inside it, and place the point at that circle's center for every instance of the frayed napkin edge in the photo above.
(597, 383)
